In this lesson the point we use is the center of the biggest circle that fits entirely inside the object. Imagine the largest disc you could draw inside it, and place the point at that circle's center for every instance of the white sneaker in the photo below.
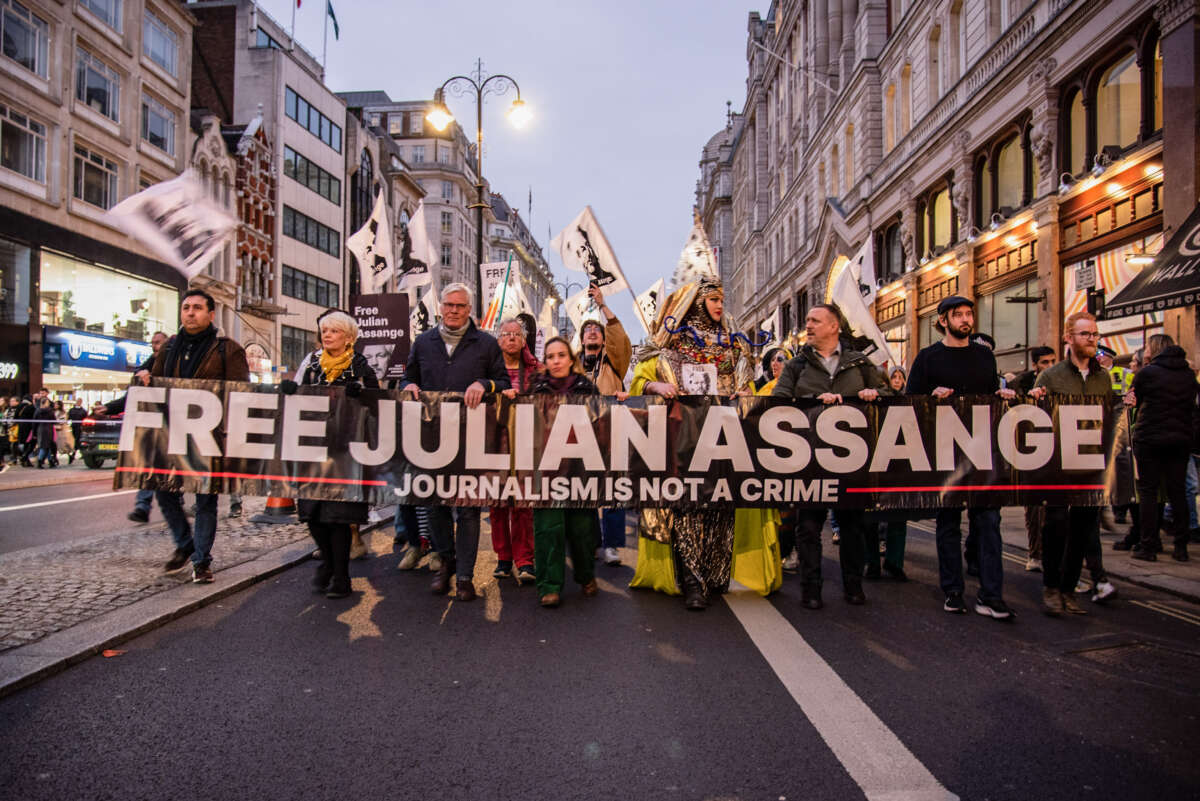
(1104, 591)
(1033, 565)
(792, 563)
(612, 556)
(1082, 586)
(435, 563)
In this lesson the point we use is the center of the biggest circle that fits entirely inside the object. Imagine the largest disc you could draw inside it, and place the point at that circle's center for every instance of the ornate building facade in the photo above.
(1027, 154)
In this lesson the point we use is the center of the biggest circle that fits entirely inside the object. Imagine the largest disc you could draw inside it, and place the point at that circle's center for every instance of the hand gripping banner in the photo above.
(591, 452)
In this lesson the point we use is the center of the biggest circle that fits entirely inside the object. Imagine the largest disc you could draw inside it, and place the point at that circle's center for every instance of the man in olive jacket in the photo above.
(1069, 531)
(829, 371)
(196, 352)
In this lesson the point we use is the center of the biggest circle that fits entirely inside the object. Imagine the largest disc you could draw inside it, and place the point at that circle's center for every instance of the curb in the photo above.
(28, 664)
(55, 478)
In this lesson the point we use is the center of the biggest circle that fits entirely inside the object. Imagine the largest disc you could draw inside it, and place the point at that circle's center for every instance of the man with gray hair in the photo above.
(456, 356)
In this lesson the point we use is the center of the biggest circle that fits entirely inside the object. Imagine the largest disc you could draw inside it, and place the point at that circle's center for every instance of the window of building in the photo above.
(1075, 154)
(785, 319)
(1013, 325)
(447, 190)
(848, 156)
(416, 122)
(25, 35)
(1158, 87)
(1010, 174)
(935, 221)
(956, 40)
(1119, 104)
(889, 117)
(395, 125)
(447, 255)
(160, 43)
(934, 75)
(109, 11)
(905, 99)
(447, 222)
(317, 124)
(312, 233)
(443, 155)
(158, 125)
(97, 84)
(95, 178)
(801, 307)
(264, 39)
(22, 145)
(303, 286)
(300, 169)
(80, 295)
(891, 254)
(294, 345)
(926, 333)
(15, 262)
(418, 154)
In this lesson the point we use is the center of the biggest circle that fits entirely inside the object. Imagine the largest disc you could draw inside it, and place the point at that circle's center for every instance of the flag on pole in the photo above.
(423, 314)
(584, 248)
(332, 16)
(851, 293)
(649, 300)
(697, 259)
(580, 309)
(507, 299)
(416, 253)
(178, 221)
(372, 247)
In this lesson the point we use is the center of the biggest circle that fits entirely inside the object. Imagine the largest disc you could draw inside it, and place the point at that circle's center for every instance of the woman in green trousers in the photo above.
(557, 531)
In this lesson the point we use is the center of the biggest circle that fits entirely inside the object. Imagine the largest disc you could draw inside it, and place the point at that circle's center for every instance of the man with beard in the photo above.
(958, 365)
(1069, 531)
(606, 355)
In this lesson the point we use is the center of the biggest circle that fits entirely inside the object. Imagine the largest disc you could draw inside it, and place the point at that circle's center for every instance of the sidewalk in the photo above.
(25, 477)
(1181, 579)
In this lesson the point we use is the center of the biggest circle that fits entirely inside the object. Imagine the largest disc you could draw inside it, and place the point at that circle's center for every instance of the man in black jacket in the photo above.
(24, 414)
(455, 357)
(1164, 392)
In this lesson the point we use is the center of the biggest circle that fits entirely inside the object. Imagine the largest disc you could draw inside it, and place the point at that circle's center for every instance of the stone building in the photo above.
(247, 66)
(508, 233)
(94, 106)
(998, 149)
(714, 196)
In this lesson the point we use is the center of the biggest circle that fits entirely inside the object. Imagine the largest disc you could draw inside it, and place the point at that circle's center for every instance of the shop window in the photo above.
(85, 297)
(95, 178)
(1012, 323)
(15, 261)
(1119, 104)
(97, 85)
(158, 125)
(159, 42)
(1113, 273)
(26, 37)
(22, 145)
(926, 333)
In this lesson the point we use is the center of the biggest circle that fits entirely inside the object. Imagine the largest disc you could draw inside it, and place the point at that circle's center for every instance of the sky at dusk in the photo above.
(624, 95)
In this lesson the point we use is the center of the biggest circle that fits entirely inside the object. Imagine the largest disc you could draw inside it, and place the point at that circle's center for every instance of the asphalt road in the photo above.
(395, 693)
(62, 512)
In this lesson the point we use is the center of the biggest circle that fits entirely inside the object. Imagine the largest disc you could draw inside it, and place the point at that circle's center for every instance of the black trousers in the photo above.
(809, 523)
(334, 541)
(1066, 539)
(1167, 468)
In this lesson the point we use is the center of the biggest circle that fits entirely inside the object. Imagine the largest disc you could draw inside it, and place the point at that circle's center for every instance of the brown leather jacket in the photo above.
(609, 376)
(225, 361)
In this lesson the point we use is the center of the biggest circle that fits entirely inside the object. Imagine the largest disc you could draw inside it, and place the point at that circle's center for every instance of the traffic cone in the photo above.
(279, 510)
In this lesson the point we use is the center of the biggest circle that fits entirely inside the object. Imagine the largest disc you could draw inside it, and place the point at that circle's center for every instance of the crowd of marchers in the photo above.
(690, 553)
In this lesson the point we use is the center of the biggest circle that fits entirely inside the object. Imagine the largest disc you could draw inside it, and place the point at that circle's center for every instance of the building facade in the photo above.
(714, 197)
(93, 107)
(1025, 154)
(508, 234)
(247, 67)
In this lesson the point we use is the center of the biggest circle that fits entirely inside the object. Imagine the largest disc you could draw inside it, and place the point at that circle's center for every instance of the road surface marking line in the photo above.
(1162, 609)
(873, 756)
(64, 500)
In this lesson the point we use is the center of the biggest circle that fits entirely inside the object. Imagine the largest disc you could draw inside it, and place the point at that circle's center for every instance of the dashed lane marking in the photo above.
(873, 756)
(64, 500)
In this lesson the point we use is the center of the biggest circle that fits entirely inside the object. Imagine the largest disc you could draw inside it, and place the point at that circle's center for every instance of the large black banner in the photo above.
(383, 447)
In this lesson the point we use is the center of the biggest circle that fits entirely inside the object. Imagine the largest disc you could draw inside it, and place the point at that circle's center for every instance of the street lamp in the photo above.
(440, 117)
(565, 288)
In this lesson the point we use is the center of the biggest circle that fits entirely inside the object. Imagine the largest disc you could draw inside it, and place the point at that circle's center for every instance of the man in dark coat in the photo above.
(196, 352)
(25, 412)
(456, 357)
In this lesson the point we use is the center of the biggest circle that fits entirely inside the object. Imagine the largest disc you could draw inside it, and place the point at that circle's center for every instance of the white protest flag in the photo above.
(423, 314)
(507, 299)
(697, 259)
(178, 221)
(417, 255)
(372, 247)
(850, 294)
(648, 301)
(584, 248)
(545, 317)
(580, 309)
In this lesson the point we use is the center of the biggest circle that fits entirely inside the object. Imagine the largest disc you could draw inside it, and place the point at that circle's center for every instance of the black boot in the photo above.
(339, 547)
(693, 593)
(324, 571)
(810, 596)
(853, 592)
(441, 579)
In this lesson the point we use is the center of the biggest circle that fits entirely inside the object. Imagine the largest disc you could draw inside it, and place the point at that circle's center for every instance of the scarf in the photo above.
(561, 385)
(452, 336)
(334, 366)
(187, 351)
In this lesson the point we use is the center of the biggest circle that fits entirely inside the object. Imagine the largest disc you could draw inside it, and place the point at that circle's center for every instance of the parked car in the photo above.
(99, 439)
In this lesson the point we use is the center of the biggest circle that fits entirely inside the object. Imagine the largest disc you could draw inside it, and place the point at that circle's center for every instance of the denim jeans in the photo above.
(171, 504)
(405, 526)
(986, 522)
(455, 534)
(612, 528)
(143, 500)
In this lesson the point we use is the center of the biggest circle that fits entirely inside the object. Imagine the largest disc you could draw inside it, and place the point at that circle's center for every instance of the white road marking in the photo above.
(873, 756)
(64, 500)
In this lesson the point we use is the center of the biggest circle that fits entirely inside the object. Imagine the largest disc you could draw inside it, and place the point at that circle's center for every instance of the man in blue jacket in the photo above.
(455, 356)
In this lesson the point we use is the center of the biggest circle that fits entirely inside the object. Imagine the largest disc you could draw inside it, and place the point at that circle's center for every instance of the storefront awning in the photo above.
(1171, 281)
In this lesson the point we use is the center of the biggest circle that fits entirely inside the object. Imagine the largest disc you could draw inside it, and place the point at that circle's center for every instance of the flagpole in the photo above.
(293, 47)
(325, 38)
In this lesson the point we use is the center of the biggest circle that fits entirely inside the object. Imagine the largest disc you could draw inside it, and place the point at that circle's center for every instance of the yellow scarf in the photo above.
(334, 366)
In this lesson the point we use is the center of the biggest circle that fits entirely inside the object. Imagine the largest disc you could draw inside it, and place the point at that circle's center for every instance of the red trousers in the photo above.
(512, 534)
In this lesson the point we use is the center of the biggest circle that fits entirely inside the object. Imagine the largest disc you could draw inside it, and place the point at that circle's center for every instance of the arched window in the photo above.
(1074, 158)
(905, 99)
(1119, 104)
(983, 192)
(1158, 88)
(889, 117)
(360, 191)
(933, 75)
(939, 232)
(1010, 174)
(848, 156)
(833, 172)
(956, 42)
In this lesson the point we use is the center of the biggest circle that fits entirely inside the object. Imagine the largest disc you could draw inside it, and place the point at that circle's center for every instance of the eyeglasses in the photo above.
(511, 335)
(455, 305)
(1086, 334)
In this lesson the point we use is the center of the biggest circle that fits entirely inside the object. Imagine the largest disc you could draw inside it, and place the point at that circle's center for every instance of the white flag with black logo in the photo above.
(417, 254)
(423, 311)
(372, 247)
(851, 295)
(584, 248)
(178, 221)
(697, 259)
(648, 301)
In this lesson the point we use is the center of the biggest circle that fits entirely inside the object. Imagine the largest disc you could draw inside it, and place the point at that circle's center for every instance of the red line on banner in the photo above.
(979, 487)
(205, 474)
